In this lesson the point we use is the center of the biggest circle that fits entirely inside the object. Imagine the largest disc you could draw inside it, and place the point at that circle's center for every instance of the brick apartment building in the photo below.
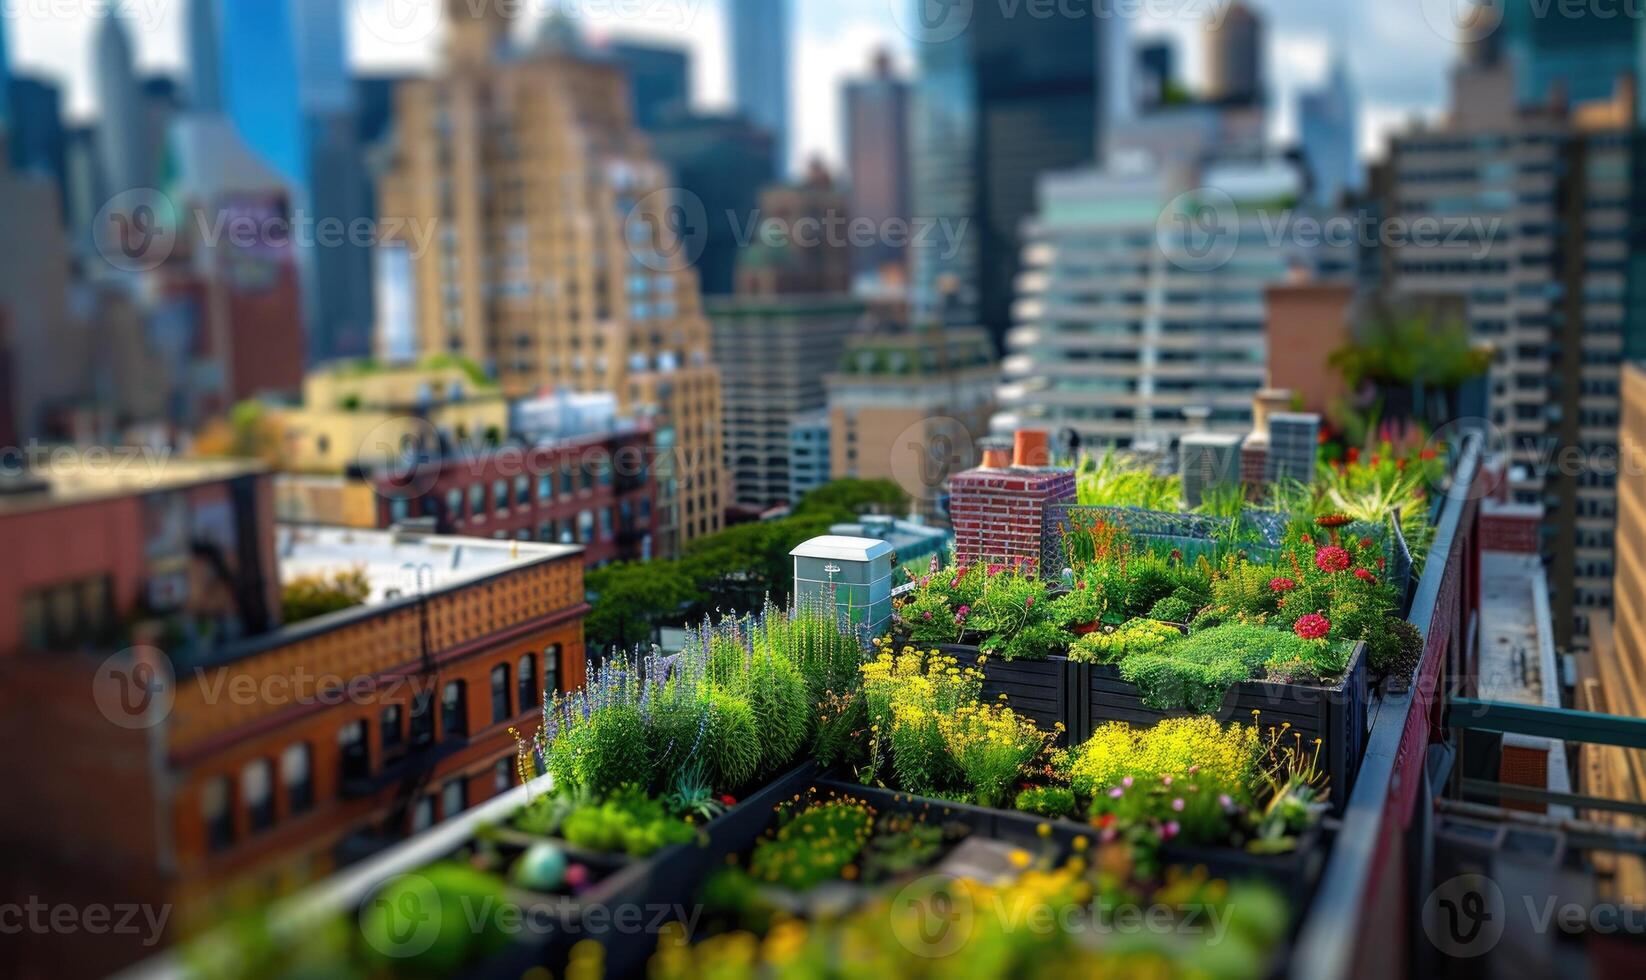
(176, 749)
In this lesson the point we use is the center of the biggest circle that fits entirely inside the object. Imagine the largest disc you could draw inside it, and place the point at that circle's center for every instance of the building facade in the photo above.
(994, 107)
(1234, 56)
(800, 244)
(1120, 332)
(555, 265)
(248, 758)
(1544, 199)
(1328, 122)
(772, 352)
(911, 407)
(723, 161)
(659, 80)
(877, 159)
(760, 68)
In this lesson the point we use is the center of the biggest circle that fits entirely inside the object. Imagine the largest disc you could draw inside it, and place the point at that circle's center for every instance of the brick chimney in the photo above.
(998, 512)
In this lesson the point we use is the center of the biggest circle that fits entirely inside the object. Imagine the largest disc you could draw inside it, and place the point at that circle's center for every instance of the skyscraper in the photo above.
(1579, 51)
(122, 133)
(722, 161)
(877, 153)
(659, 80)
(258, 58)
(203, 36)
(35, 130)
(760, 68)
(1004, 101)
(553, 266)
(1327, 121)
(324, 85)
(5, 81)
(1234, 56)
(1156, 73)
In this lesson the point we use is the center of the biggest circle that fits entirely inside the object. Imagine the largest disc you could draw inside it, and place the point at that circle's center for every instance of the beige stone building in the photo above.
(911, 407)
(556, 253)
(365, 414)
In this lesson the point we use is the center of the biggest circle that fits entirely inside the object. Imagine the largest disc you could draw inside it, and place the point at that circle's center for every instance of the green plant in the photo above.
(310, 596)
(1395, 649)
(457, 941)
(1196, 671)
(904, 843)
(814, 846)
(1228, 757)
(991, 746)
(1135, 636)
(628, 821)
(1114, 480)
(1047, 801)
(693, 794)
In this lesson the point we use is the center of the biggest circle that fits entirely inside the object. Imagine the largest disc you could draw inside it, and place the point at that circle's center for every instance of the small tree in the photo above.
(309, 596)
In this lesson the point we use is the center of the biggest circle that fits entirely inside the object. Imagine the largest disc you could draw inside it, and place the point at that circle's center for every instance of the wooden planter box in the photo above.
(1296, 873)
(1336, 715)
(1043, 690)
(621, 911)
(1085, 696)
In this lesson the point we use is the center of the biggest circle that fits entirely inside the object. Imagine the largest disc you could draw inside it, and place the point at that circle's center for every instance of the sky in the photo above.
(1397, 49)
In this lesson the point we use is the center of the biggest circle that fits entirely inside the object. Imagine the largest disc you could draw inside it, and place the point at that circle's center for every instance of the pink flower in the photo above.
(1028, 603)
(1364, 575)
(1313, 627)
(996, 570)
(1177, 804)
(1226, 802)
(1116, 793)
(965, 610)
(1282, 584)
(927, 615)
(1331, 559)
(1170, 830)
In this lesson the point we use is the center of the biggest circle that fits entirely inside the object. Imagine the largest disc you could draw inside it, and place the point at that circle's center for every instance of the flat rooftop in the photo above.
(1517, 654)
(393, 561)
(67, 475)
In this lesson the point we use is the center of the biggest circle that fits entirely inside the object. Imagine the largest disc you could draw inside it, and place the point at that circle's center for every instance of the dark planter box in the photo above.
(1295, 873)
(1336, 715)
(623, 911)
(1042, 690)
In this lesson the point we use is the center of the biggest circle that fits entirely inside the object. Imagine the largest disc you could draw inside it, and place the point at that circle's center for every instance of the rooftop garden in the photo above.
(1144, 729)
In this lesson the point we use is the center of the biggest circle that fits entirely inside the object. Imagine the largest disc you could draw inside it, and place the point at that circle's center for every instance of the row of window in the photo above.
(296, 763)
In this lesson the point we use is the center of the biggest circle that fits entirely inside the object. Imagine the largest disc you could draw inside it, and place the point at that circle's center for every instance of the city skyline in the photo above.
(1395, 56)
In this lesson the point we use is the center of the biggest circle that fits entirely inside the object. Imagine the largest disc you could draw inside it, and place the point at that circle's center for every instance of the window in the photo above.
(454, 710)
(68, 616)
(351, 743)
(522, 490)
(500, 693)
(422, 817)
(258, 794)
(551, 668)
(454, 504)
(500, 495)
(545, 487)
(530, 695)
(585, 526)
(388, 727)
(502, 775)
(297, 770)
(454, 798)
(422, 720)
(215, 811)
(477, 499)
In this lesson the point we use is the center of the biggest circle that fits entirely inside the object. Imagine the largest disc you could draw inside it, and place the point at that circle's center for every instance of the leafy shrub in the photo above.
(310, 596)
(733, 748)
(990, 745)
(1136, 636)
(1196, 671)
(1396, 649)
(1172, 609)
(1228, 756)
(1047, 801)
(628, 821)
(1005, 611)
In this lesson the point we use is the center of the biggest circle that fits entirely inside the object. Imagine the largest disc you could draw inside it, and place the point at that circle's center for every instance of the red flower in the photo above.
(1282, 584)
(1177, 555)
(1427, 455)
(1354, 454)
(1313, 627)
(1308, 540)
(1367, 542)
(1332, 559)
(1382, 563)
(728, 799)
(1364, 575)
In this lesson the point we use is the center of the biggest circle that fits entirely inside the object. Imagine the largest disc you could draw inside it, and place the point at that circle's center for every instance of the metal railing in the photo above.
(1364, 918)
